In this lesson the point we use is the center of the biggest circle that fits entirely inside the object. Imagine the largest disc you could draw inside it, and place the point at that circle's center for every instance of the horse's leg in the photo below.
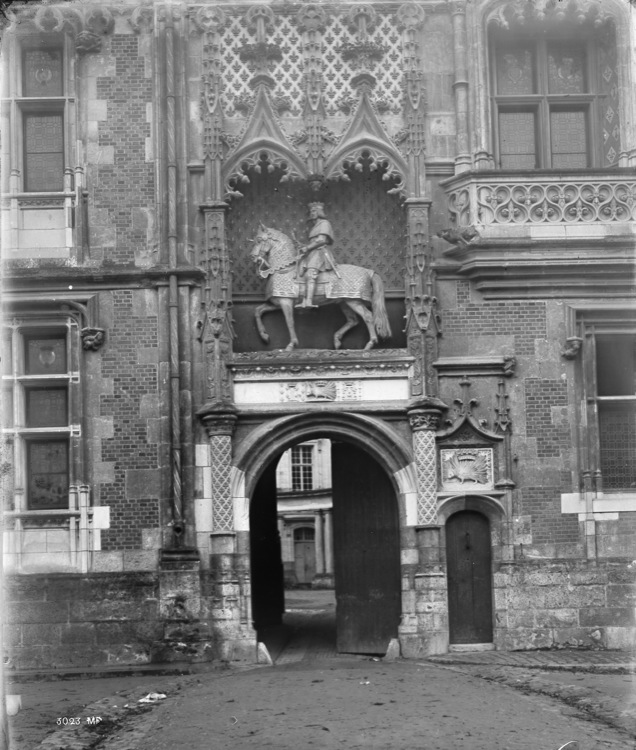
(352, 322)
(363, 311)
(286, 304)
(258, 313)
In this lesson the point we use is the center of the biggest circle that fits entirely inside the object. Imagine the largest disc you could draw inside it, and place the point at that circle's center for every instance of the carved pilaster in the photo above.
(423, 321)
(311, 20)
(503, 424)
(425, 417)
(219, 420)
(211, 21)
(411, 19)
(216, 327)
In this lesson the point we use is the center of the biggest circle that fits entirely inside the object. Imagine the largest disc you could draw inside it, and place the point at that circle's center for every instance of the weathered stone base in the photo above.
(66, 620)
(566, 604)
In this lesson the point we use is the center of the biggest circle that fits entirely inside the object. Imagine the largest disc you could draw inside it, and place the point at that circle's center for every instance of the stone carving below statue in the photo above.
(311, 272)
(464, 467)
(321, 390)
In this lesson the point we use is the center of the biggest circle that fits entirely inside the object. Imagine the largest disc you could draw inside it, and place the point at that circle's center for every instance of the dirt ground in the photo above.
(362, 704)
(314, 698)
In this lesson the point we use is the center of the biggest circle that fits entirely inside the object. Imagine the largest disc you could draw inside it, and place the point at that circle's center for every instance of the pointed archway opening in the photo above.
(346, 505)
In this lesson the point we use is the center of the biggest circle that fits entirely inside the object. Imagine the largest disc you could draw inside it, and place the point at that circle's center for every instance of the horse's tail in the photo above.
(380, 318)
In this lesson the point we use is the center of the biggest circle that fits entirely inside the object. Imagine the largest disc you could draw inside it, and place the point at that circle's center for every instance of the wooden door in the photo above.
(305, 561)
(268, 593)
(366, 552)
(468, 558)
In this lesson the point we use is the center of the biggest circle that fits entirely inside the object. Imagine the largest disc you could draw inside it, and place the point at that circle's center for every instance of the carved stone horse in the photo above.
(277, 261)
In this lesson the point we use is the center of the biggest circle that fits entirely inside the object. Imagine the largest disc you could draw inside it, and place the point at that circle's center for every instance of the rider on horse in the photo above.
(316, 256)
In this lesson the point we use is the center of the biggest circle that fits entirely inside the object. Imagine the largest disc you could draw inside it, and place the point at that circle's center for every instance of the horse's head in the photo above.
(272, 250)
(262, 245)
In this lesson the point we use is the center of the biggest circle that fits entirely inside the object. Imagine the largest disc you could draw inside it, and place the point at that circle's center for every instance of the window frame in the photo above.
(19, 383)
(17, 106)
(542, 103)
(302, 468)
(593, 326)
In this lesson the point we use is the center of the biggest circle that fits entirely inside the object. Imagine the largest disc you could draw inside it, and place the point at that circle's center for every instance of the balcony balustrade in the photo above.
(543, 199)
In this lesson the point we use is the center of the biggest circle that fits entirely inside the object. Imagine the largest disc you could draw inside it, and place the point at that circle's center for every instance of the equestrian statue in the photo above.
(312, 275)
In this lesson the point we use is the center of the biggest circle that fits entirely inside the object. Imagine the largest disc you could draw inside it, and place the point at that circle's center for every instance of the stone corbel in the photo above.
(572, 347)
(93, 337)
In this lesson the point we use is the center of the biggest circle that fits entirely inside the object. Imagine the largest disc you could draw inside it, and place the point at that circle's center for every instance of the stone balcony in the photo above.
(541, 229)
(544, 203)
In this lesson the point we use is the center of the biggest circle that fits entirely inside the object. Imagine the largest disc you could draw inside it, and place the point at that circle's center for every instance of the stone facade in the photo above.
(146, 146)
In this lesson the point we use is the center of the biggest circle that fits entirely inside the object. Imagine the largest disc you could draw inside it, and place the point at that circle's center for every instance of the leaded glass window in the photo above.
(37, 385)
(44, 152)
(550, 99)
(42, 72)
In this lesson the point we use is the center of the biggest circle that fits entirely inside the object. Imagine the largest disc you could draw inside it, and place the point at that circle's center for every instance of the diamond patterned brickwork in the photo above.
(426, 472)
(288, 72)
(369, 224)
(221, 459)
(337, 73)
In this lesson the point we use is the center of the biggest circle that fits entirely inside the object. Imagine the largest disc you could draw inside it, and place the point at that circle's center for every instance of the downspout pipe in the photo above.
(178, 520)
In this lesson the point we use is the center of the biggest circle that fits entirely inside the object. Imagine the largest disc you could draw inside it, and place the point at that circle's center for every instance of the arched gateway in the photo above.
(371, 485)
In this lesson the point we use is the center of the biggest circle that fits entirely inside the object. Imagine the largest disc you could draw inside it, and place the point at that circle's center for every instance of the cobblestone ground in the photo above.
(312, 698)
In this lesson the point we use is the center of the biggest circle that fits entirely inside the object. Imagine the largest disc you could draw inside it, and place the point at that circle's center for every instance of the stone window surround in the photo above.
(37, 223)
(479, 83)
(79, 522)
(583, 321)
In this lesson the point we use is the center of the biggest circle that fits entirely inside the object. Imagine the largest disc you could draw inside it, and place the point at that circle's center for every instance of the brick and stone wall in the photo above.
(121, 169)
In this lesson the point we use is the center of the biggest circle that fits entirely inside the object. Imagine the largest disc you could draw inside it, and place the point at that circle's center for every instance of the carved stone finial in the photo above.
(361, 19)
(410, 16)
(142, 18)
(260, 18)
(49, 19)
(572, 347)
(311, 18)
(209, 19)
(99, 20)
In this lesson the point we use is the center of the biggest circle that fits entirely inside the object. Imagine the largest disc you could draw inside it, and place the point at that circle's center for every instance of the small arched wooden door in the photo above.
(468, 560)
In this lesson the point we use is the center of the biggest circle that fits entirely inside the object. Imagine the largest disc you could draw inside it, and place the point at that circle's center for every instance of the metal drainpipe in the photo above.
(178, 527)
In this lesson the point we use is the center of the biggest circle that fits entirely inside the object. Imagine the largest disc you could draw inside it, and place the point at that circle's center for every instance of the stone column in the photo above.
(319, 542)
(428, 634)
(219, 420)
(329, 542)
(228, 590)
(424, 417)
(460, 86)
